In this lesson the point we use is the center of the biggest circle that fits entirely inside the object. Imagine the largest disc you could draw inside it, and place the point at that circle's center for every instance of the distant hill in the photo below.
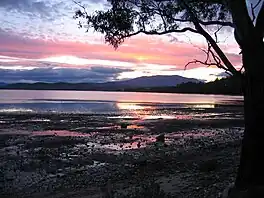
(152, 81)
(160, 84)
(2, 84)
(141, 82)
(230, 85)
(226, 86)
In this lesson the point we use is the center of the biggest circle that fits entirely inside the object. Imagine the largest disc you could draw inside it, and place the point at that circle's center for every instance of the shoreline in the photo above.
(82, 155)
(192, 173)
(123, 91)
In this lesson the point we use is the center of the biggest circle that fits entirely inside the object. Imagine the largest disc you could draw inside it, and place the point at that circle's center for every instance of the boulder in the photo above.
(160, 138)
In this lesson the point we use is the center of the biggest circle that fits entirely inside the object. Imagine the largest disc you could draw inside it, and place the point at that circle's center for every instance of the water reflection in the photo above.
(22, 96)
(133, 126)
(61, 133)
(16, 110)
(202, 106)
(143, 111)
(130, 106)
(156, 117)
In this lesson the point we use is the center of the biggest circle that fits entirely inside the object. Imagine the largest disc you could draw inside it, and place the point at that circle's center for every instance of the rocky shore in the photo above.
(77, 155)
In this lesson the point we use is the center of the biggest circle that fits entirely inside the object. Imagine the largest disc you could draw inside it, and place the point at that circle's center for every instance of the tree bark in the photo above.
(251, 170)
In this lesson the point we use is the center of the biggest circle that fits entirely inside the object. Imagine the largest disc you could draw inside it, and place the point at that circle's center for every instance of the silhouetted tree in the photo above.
(127, 18)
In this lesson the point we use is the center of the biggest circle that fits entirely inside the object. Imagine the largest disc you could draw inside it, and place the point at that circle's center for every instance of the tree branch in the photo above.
(215, 33)
(253, 7)
(117, 39)
(260, 21)
(205, 23)
(209, 54)
(212, 42)
(220, 53)
(80, 5)
(195, 61)
(161, 33)
(257, 4)
(243, 24)
(222, 23)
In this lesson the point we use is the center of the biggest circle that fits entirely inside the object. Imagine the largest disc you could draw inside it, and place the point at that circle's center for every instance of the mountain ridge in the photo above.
(140, 82)
(154, 81)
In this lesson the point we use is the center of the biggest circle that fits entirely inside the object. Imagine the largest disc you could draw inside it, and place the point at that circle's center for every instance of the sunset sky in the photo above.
(40, 41)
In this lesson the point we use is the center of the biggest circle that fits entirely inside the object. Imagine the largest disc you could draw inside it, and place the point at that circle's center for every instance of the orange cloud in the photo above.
(151, 50)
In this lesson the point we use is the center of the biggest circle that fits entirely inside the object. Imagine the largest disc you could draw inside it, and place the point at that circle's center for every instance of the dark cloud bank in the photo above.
(94, 75)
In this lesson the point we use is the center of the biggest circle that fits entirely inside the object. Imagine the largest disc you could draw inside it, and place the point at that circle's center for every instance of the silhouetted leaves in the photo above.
(126, 18)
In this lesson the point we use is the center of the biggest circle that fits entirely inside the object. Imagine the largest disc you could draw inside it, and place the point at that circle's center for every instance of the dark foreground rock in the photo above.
(105, 160)
(160, 138)
(202, 172)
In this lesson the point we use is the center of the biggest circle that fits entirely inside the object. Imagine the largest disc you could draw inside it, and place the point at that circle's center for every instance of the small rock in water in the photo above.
(160, 138)
(124, 125)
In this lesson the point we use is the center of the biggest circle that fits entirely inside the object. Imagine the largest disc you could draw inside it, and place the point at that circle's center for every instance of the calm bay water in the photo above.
(98, 115)
(103, 102)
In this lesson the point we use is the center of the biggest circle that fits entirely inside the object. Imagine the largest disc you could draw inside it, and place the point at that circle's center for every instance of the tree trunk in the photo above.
(251, 170)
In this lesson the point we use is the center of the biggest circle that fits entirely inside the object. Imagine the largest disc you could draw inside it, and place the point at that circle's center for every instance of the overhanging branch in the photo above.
(115, 36)
(260, 21)
(163, 32)
(253, 7)
(244, 27)
(227, 64)
(158, 10)
(208, 61)
(116, 39)
(206, 23)
(222, 23)
(81, 6)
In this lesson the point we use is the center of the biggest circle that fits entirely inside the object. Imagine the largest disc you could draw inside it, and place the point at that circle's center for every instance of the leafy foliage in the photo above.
(129, 17)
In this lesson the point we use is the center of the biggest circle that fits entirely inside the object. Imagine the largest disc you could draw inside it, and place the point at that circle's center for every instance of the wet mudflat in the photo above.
(87, 155)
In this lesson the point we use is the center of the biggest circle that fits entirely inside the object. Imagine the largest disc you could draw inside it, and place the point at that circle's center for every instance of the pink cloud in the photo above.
(151, 50)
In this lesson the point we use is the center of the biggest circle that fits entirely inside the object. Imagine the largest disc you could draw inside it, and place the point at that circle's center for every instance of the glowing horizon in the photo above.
(56, 43)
